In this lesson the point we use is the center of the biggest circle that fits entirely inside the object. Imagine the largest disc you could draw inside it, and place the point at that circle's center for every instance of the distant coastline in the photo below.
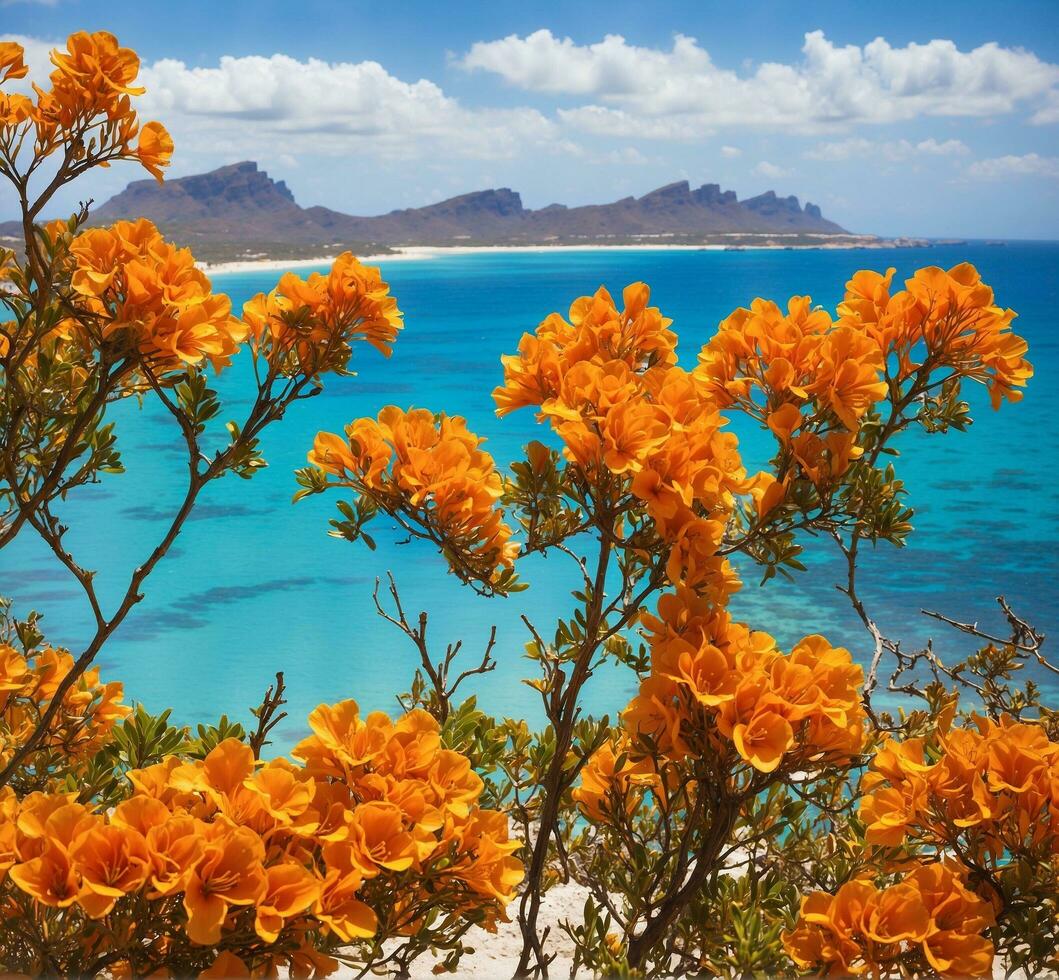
(421, 252)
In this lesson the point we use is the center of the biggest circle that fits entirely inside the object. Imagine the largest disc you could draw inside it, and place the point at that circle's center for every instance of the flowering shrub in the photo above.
(211, 859)
(929, 923)
(983, 794)
(698, 803)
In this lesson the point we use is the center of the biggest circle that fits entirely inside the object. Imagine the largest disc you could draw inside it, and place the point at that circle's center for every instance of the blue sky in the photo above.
(936, 119)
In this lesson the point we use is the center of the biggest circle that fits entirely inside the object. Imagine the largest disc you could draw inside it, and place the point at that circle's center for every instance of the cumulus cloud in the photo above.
(731, 152)
(241, 105)
(1027, 165)
(682, 92)
(766, 169)
(889, 150)
(332, 107)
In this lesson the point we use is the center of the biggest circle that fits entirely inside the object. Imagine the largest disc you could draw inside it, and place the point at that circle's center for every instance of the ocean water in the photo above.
(255, 585)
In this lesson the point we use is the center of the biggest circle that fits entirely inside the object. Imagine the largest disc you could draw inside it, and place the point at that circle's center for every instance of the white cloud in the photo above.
(766, 169)
(1027, 165)
(731, 152)
(542, 62)
(1047, 113)
(252, 104)
(334, 107)
(889, 150)
(682, 93)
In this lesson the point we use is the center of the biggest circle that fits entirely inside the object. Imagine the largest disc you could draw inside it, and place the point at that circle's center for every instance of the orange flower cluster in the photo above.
(791, 369)
(943, 319)
(88, 110)
(792, 358)
(614, 777)
(596, 333)
(14, 108)
(307, 326)
(435, 467)
(229, 851)
(148, 298)
(90, 709)
(607, 382)
(713, 677)
(929, 922)
(996, 789)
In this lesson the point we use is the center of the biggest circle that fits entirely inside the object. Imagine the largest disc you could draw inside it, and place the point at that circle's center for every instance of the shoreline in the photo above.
(412, 253)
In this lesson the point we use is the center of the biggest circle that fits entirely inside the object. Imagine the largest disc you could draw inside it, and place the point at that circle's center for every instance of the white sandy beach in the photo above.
(408, 253)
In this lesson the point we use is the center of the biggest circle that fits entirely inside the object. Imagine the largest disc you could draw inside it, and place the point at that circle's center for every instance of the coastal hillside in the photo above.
(240, 203)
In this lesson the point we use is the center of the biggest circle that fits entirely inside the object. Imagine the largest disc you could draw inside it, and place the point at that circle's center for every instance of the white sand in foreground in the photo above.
(416, 252)
(496, 956)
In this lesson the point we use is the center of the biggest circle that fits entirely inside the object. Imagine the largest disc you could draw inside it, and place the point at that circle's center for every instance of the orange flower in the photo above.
(433, 468)
(491, 869)
(290, 890)
(596, 331)
(334, 455)
(14, 673)
(285, 791)
(220, 775)
(630, 432)
(705, 673)
(993, 784)
(149, 292)
(175, 848)
(378, 839)
(763, 740)
(11, 61)
(531, 377)
(97, 68)
(112, 861)
(654, 712)
(847, 375)
(761, 347)
(155, 148)
(48, 819)
(953, 945)
(341, 741)
(341, 912)
(49, 878)
(15, 109)
(455, 784)
(229, 873)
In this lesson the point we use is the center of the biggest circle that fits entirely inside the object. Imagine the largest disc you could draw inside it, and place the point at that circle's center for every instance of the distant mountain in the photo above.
(242, 204)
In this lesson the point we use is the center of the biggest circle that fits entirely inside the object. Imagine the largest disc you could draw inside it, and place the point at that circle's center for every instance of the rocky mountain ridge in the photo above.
(240, 202)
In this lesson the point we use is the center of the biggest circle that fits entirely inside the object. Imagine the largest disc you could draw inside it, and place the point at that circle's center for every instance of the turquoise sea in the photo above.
(255, 585)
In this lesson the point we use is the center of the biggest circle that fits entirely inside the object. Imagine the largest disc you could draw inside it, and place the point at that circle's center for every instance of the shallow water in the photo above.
(255, 585)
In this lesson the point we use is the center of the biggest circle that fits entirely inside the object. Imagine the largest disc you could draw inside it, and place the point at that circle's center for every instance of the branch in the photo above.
(266, 714)
(440, 705)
